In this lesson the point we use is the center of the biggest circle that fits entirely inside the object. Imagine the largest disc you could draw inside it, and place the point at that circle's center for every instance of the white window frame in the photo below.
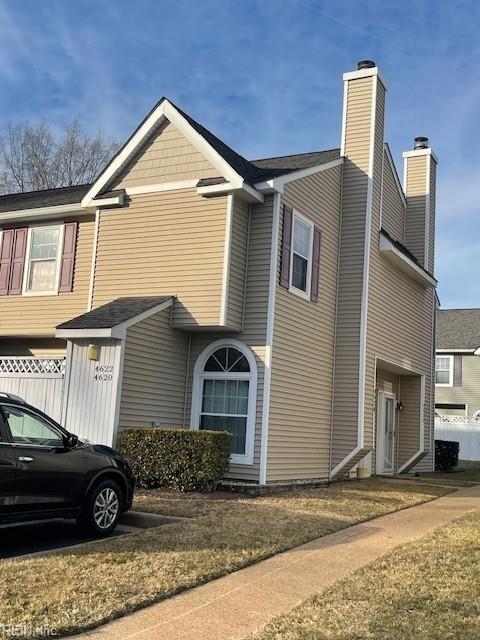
(199, 376)
(298, 292)
(26, 266)
(450, 377)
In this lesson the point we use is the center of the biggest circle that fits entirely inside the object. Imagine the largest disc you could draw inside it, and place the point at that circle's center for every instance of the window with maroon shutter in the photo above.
(68, 257)
(18, 262)
(12, 261)
(6, 252)
(286, 247)
(315, 279)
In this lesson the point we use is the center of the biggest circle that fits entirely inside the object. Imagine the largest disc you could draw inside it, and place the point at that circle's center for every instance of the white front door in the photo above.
(386, 432)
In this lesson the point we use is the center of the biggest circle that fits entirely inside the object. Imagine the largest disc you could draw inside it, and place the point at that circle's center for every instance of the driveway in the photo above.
(33, 538)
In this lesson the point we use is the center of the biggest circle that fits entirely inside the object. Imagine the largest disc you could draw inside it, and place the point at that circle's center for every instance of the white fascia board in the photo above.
(364, 73)
(161, 186)
(163, 111)
(104, 202)
(395, 174)
(277, 184)
(41, 212)
(477, 352)
(240, 188)
(119, 331)
(405, 264)
(415, 153)
(83, 333)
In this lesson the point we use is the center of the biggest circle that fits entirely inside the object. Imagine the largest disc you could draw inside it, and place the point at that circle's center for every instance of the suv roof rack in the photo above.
(12, 396)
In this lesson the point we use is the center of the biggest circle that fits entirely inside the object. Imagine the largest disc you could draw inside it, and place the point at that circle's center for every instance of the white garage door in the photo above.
(39, 381)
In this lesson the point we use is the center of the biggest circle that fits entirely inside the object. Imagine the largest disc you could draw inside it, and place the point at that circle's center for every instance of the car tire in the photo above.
(102, 509)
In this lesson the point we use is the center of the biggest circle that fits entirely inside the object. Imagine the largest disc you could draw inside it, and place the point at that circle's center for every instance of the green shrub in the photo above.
(176, 458)
(446, 455)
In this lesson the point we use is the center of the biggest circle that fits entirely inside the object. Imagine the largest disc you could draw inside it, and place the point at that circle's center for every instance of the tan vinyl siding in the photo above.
(408, 438)
(154, 373)
(469, 392)
(393, 207)
(167, 156)
(303, 345)
(238, 262)
(432, 208)
(169, 243)
(255, 323)
(354, 204)
(36, 347)
(39, 315)
(416, 203)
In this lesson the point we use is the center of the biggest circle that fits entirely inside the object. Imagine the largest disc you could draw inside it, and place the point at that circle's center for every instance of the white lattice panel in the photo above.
(32, 366)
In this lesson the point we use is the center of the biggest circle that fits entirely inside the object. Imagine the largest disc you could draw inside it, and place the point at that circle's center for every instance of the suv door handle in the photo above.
(25, 459)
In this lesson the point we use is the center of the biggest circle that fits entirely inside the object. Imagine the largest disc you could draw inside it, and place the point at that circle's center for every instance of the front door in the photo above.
(386, 432)
(49, 475)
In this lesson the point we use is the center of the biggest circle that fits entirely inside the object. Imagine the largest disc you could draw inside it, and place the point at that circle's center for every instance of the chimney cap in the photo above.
(420, 142)
(366, 64)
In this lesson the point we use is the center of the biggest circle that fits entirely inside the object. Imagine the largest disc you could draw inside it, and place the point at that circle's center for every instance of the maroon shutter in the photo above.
(286, 247)
(68, 256)
(317, 237)
(6, 260)
(18, 262)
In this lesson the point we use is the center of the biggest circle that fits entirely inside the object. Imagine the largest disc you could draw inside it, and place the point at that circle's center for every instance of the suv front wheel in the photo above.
(102, 509)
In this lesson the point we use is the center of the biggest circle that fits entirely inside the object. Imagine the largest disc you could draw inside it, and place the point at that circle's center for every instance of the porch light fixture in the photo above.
(399, 405)
(93, 352)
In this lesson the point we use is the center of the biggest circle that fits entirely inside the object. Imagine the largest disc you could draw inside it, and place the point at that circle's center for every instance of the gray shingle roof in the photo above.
(458, 329)
(47, 198)
(114, 313)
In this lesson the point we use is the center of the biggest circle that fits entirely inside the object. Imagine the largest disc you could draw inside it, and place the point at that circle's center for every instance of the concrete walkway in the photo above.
(234, 606)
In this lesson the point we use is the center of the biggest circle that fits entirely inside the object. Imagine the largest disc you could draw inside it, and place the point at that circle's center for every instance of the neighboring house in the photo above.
(290, 300)
(457, 366)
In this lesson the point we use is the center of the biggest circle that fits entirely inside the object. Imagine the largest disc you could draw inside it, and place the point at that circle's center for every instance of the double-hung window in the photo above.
(301, 261)
(42, 264)
(444, 371)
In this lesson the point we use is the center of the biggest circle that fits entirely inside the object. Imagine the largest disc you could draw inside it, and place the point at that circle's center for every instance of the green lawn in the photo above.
(426, 590)
(82, 588)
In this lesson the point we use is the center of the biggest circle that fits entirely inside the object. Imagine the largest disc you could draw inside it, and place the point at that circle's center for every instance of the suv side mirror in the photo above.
(71, 441)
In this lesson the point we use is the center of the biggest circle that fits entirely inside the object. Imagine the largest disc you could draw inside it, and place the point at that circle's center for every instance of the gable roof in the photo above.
(114, 313)
(458, 329)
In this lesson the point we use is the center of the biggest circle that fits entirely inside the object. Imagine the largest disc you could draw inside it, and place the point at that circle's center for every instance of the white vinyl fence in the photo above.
(465, 431)
(39, 381)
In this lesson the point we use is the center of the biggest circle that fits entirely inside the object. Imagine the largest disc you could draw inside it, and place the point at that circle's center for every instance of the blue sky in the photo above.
(265, 76)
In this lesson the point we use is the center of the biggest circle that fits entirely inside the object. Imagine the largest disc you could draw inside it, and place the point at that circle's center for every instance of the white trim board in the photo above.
(267, 376)
(42, 212)
(227, 250)
(161, 186)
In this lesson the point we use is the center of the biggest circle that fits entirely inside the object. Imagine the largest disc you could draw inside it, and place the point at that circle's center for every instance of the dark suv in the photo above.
(48, 473)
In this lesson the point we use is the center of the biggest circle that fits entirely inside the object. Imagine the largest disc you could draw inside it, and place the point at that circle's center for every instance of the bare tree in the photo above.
(32, 157)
